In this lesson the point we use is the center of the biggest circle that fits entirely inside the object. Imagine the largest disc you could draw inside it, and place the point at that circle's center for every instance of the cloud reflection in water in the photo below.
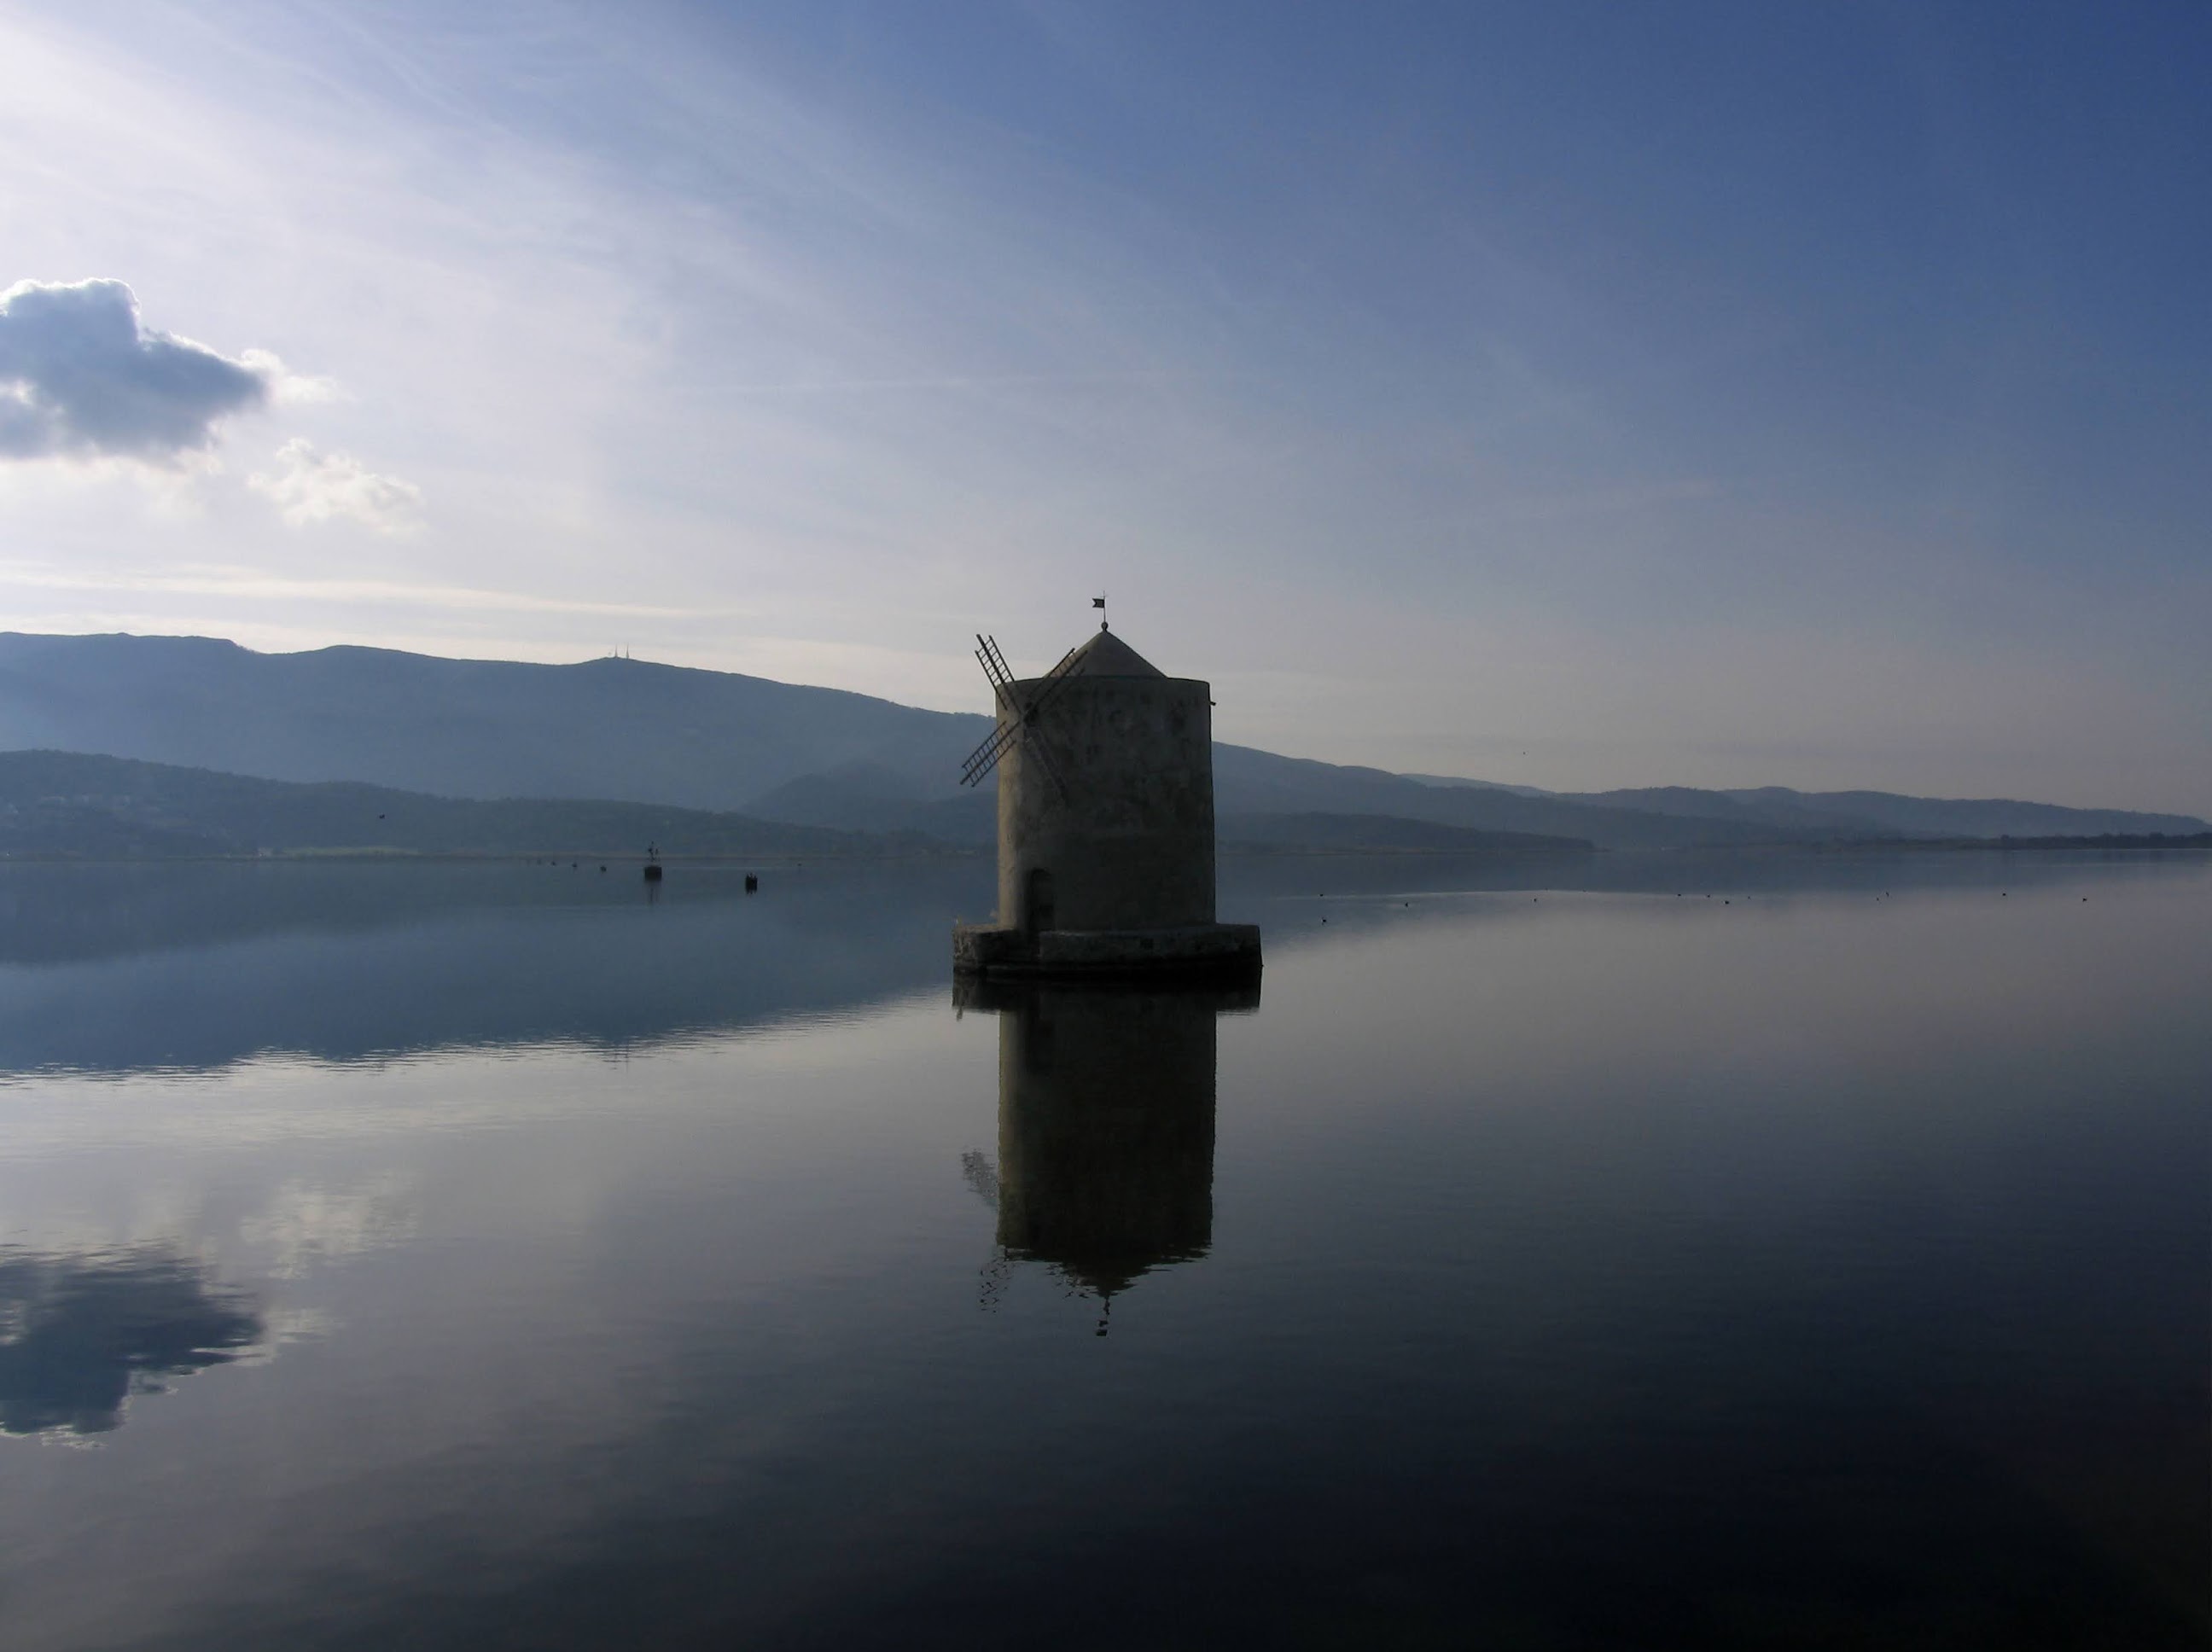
(81, 1335)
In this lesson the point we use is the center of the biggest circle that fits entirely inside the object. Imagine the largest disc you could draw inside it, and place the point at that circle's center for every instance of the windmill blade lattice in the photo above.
(1015, 718)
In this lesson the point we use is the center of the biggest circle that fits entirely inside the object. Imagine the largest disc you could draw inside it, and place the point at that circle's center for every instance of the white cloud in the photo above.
(287, 388)
(81, 376)
(308, 1224)
(317, 487)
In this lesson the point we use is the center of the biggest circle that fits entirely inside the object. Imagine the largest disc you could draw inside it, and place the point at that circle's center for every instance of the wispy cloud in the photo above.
(251, 584)
(311, 487)
(287, 388)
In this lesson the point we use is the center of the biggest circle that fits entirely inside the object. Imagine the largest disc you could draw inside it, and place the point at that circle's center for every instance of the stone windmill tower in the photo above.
(1105, 769)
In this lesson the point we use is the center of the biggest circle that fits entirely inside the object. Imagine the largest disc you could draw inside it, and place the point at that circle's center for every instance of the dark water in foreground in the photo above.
(445, 1256)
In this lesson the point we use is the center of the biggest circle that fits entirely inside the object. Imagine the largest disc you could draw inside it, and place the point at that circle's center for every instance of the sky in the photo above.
(1570, 395)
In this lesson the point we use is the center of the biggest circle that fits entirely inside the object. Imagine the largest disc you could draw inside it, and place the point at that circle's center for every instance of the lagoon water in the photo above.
(1787, 1251)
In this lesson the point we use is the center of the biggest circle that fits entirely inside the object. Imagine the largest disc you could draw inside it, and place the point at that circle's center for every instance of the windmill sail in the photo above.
(1014, 718)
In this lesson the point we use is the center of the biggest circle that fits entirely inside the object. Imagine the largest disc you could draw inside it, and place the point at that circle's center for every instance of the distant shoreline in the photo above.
(630, 858)
(2198, 843)
(2130, 842)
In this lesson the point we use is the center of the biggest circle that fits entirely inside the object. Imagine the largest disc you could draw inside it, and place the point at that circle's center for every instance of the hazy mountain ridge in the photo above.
(58, 803)
(641, 733)
(1858, 814)
(1311, 833)
(1247, 781)
(1889, 814)
(457, 728)
(866, 797)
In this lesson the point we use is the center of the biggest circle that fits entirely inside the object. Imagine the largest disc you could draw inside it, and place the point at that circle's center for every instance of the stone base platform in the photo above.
(1212, 949)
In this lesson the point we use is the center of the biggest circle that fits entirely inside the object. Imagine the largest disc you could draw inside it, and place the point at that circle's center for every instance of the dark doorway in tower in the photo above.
(1039, 907)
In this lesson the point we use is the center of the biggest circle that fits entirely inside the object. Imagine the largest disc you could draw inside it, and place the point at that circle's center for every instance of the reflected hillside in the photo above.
(63, 911)
(118, 968)
(1303, 900)
(1249, 883)
(79, 1335)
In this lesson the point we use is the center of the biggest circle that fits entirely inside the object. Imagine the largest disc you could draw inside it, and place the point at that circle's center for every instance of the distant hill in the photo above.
(1249, 784)
(54, 802)
(1887, 814)
(458, 728)
(1380, 834)
(1259, 782)
(1479, 786)
(712, 741)
(2128, 841)
(866, 797)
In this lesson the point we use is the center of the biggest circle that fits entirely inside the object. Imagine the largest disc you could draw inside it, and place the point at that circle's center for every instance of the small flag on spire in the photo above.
(1098, 602)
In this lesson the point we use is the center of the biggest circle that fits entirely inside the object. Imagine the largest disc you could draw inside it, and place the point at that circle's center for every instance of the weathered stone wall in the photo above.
(1131, 844)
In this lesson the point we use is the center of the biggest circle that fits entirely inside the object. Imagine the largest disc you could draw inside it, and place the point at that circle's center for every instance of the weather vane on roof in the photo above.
(1099, 603)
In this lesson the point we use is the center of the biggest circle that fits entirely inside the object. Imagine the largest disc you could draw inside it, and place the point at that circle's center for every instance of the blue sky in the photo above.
(1581, 396)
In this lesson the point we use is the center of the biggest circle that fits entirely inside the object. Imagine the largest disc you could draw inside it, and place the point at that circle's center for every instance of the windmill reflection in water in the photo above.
(1106, 1101)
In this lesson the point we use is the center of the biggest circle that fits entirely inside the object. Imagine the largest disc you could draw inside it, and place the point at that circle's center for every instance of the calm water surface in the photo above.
(1786, 1251)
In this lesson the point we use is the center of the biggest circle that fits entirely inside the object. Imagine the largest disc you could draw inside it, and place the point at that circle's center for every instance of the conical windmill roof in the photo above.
(1107, 655)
